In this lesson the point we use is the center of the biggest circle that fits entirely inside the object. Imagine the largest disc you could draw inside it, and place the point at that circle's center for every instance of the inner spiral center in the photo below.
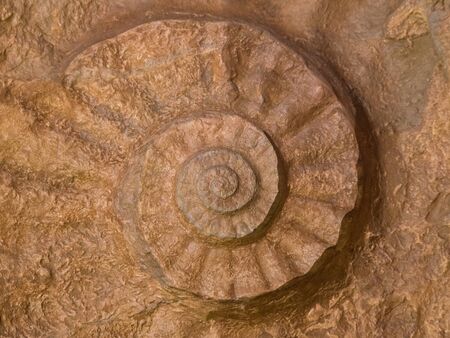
(223, 181)
(226, 186)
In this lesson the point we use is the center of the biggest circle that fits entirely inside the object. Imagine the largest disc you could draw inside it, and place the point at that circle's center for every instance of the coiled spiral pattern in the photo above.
(246, 161)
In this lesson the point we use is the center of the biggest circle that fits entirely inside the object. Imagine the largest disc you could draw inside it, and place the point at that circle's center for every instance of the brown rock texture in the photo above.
(225, 168)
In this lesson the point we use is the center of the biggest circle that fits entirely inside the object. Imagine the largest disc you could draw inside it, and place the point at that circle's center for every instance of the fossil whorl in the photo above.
(247, 162)
(228, 186)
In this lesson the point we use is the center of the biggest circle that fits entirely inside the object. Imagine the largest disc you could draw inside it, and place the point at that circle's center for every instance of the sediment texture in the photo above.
(224, 169)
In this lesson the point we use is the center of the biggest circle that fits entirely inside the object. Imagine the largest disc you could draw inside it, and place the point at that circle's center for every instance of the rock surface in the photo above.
(224, 168)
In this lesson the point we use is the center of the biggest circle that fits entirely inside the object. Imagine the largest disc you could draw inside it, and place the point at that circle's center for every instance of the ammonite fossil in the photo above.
(246, 159)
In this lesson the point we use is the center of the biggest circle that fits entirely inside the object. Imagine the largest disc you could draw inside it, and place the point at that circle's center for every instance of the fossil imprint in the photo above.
(245, 162)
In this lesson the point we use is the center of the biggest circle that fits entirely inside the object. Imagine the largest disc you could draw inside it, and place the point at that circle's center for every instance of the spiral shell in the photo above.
(247, 162)
(228, 180)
